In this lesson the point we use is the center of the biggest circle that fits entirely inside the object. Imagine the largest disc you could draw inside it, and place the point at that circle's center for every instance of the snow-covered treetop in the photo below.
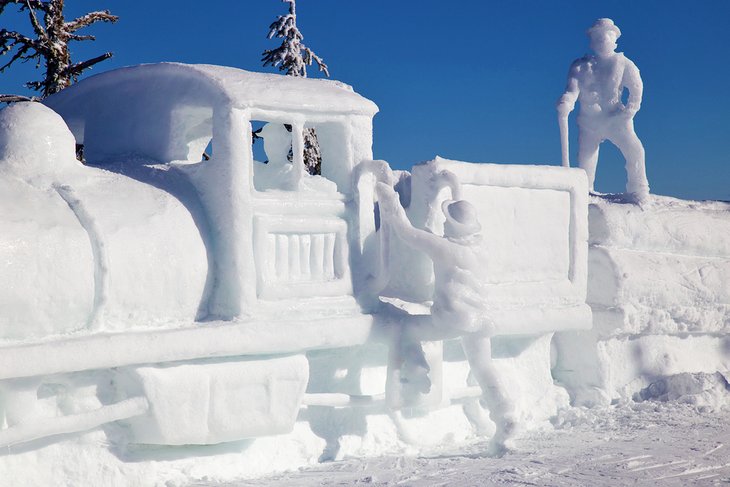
(49, 42)
(292, 56)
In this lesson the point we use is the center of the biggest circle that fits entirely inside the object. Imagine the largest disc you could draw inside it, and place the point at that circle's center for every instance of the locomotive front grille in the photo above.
(297, 259)
(302, 257)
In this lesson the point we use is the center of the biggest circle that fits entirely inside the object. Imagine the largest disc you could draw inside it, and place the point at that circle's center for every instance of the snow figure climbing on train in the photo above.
(458, 309)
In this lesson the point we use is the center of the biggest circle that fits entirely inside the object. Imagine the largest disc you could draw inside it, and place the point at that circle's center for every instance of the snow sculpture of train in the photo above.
(204, 306)
(152, 297)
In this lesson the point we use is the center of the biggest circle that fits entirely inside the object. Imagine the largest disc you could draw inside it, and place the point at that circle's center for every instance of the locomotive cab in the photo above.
(279, 237)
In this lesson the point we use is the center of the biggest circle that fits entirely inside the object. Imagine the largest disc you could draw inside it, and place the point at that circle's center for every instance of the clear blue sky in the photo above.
(473, 80)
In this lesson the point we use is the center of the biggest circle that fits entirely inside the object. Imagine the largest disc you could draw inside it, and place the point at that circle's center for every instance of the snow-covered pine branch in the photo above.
(50, 42)
(292, 57)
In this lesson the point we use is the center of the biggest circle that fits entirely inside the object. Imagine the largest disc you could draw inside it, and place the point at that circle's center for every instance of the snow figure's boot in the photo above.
(415, 369)
(478, 350)
(408, 373)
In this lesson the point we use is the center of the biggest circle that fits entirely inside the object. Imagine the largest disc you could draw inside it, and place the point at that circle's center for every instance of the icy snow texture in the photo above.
(530, 278)
(34, 142)
(170, 114)
(708, 392)
(243, 251)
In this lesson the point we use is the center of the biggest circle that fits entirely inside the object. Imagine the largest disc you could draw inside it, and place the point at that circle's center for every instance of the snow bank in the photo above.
(659, 281)
(664, 269)
(707, 392)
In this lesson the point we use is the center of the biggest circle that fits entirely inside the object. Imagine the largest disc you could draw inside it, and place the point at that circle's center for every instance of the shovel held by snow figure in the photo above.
(564, 144)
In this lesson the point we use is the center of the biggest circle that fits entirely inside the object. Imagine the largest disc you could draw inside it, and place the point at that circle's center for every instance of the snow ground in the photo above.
(649, 443)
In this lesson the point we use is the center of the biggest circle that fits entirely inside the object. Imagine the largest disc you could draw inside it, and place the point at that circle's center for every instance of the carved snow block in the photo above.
(658, 281)
(661, 270)
(216, 401)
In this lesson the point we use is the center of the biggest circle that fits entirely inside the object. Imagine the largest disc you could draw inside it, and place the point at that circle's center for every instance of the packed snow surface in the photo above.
(648, 443)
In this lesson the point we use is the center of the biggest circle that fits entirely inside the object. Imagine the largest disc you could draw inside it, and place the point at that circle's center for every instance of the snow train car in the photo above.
(204, 301)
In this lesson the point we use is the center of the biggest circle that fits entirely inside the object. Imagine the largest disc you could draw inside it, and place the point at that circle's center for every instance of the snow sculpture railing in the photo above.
(301, 258)
(372, 248)
(301, 246)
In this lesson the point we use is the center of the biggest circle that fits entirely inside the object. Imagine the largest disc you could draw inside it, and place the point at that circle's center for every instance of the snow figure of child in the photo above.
(598, 82)
(278, 173)
(458, 307)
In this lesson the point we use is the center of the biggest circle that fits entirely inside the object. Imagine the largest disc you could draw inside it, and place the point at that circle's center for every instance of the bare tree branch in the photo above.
(36, 4)
(16, 38)
(20, 54)
(50, 45)
(15, 98)
(76, 37)
(76, 69)
(37, 28)
(90, 18)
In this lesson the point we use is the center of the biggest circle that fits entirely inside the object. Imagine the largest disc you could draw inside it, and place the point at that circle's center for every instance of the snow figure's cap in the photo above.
(461, 217)
(34, 141)
(602, 25)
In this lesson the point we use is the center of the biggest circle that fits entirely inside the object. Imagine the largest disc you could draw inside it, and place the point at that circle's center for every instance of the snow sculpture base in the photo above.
(659, 288)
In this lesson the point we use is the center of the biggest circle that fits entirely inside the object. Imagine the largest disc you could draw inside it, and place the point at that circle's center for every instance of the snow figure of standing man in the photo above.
(458, 308)
(598, 82)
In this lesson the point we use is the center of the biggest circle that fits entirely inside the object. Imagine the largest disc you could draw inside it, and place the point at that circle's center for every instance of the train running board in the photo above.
(43, 428)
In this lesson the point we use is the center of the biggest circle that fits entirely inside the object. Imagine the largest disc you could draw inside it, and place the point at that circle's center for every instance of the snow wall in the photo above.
(659, 287)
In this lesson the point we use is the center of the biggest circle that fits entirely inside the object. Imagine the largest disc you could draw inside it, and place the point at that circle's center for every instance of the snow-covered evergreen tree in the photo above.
(292, 57)
(49, 42)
